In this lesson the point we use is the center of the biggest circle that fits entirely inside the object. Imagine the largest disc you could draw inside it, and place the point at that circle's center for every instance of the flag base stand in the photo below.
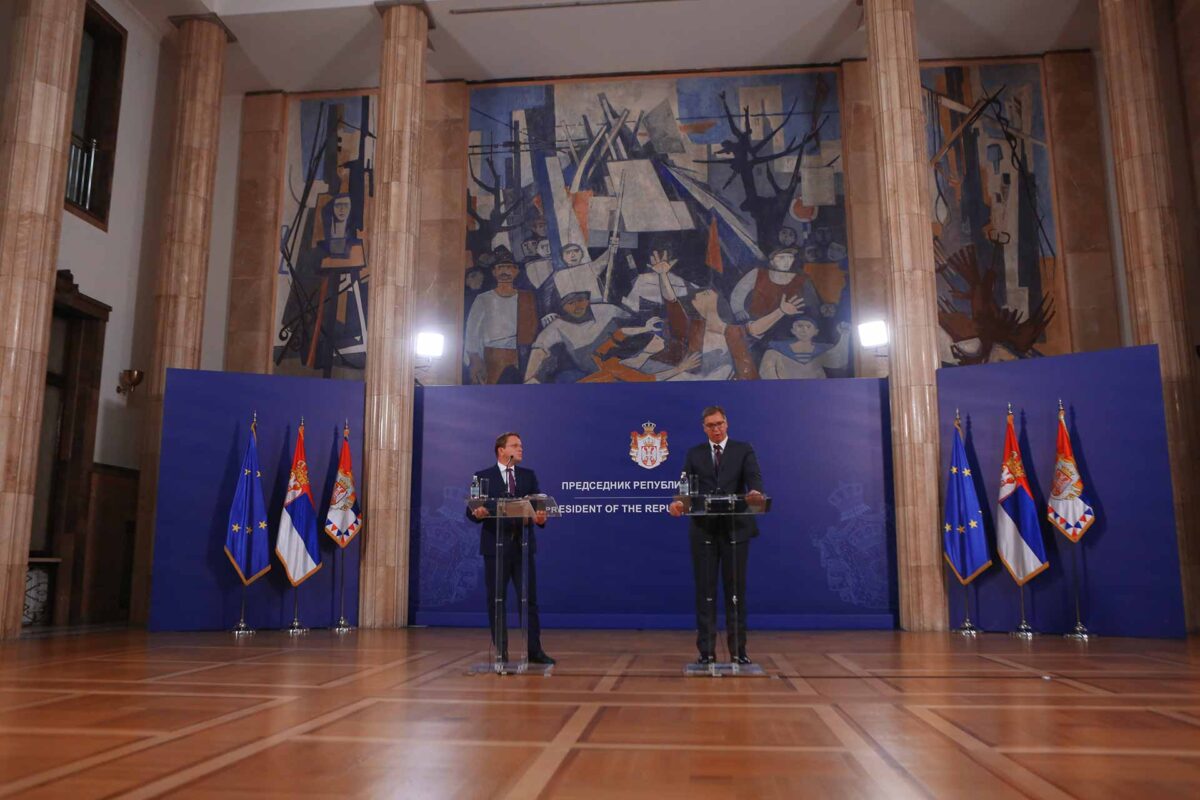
(1023, 631)
(242, 630)
(1079, 634)
(343, 627)
(967, 629)
(296, 629)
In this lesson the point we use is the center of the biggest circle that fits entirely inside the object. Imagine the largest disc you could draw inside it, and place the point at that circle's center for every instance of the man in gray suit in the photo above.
(721, 466)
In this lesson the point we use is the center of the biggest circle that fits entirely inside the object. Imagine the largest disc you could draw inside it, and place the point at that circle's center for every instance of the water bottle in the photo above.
(476, 491)
(684, 484)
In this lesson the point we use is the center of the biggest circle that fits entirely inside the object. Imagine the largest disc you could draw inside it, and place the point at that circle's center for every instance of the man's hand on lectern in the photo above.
(480, 512)
(675, 509)
(540, 517)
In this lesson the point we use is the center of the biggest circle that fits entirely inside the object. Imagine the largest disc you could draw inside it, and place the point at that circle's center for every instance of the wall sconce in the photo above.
(127, 380)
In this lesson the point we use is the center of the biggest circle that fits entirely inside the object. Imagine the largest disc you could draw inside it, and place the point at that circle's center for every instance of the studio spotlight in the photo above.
(873, 333)
(430, 345)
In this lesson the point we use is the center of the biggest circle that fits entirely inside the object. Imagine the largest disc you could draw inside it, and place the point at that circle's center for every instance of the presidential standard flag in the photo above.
(246, 535)
(344, 520)
(296, 545)
(1068, 510)
(966, 549)
(1018, 535)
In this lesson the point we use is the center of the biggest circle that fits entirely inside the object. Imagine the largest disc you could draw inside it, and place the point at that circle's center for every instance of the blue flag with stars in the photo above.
(246, 534)
(962, 532)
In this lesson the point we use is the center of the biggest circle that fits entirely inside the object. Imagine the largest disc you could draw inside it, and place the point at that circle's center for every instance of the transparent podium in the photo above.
(725, 509)
(511, 512)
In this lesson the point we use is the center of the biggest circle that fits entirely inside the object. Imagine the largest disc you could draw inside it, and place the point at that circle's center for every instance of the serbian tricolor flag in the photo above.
(344, 519)
(296, 544)
(1018, 535)
(1068, 510)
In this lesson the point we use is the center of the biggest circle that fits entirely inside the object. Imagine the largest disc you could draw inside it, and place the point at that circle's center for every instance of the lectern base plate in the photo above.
(724, 669)
(510, 668)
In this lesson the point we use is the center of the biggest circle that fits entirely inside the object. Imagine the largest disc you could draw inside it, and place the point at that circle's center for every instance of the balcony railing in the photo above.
(81, 169)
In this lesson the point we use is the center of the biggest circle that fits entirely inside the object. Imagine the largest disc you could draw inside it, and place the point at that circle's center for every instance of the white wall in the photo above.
(120, 267)
(111, 266)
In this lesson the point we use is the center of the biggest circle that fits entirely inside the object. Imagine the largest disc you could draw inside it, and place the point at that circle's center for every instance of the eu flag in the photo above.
(962, 532)
(246, 534)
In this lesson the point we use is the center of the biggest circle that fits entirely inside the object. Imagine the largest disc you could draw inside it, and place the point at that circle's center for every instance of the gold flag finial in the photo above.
(1060, 408)
(254, 423)
(1010, 409)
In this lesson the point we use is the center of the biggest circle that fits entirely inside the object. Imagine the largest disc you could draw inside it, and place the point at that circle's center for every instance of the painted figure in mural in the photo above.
(666, 171)
(322, 323)
(593, 273)
(760, 291)
(646, 293)
(501, 327)
(721, 544)
(562, 351)
(802, 357)
(499, 544)
(993, 223)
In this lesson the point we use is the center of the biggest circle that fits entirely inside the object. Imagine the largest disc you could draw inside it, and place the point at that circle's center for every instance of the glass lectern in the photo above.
(514, 518)
(725, 508)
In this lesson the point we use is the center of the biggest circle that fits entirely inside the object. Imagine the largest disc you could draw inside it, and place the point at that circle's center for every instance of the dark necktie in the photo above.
(512, 482)
(716, 458)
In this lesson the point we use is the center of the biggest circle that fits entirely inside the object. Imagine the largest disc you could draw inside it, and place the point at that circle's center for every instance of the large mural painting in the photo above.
(999, 281)
(687, 228)
(324, 266)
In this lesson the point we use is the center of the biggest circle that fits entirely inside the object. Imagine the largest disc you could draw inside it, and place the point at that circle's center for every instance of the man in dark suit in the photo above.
(502, 555)
(721, 466)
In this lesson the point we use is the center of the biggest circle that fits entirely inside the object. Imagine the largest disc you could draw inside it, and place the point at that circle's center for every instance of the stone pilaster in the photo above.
(390, 330)
(183, 263)
(912, 294)
(35, 129)
(1152, 245)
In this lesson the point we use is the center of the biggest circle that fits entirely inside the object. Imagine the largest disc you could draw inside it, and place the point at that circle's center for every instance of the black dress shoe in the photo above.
(540, 657)
(742, 658)
(706, 659)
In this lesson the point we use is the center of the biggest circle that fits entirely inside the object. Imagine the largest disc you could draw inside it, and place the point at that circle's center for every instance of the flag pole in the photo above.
(296, 629)
(1023, 631)
(1079, 633)
(967, 628)
(343, 625)
(242, 629)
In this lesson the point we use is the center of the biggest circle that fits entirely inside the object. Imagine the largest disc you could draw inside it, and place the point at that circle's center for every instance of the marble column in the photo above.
(253, 276)
(390, 357)
(912, 295)
(35, 128)
(1085, 258)
(183, 261)
(442, 244)
(1152, 246)
(869, 271)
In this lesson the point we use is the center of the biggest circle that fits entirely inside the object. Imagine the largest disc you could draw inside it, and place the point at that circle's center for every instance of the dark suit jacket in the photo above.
(526, 484)
(739, 474)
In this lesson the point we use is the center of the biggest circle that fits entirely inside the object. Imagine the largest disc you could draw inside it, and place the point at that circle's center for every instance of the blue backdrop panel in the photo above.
(824, 558)
(206, 423)
(1129, 558)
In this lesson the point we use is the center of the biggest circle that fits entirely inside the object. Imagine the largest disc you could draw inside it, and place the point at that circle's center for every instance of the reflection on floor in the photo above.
(394, 713)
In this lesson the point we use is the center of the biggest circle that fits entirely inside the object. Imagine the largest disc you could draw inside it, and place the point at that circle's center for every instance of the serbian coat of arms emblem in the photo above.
(648, 449)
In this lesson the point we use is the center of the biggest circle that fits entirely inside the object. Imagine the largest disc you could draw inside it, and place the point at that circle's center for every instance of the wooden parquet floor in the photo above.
(395, 714)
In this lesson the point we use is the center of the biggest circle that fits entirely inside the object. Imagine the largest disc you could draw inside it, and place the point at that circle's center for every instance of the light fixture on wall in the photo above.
(873, 333)
(127, 380)
(430, 344)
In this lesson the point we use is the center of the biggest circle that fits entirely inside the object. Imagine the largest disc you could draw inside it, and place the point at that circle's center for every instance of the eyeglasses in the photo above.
(715, 425)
